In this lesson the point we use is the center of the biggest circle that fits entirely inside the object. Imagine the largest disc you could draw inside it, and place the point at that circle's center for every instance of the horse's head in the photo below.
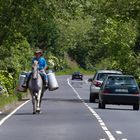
(35, 70)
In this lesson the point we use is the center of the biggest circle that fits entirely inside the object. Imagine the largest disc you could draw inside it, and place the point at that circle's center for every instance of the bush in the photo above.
(7, 83)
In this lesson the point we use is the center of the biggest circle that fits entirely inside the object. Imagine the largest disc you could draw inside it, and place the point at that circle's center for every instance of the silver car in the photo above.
(96, 82)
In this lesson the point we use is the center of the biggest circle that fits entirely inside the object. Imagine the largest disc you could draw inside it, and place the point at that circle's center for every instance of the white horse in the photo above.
(36, 88)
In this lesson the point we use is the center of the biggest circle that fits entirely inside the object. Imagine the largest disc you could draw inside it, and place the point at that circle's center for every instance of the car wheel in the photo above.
(102, 105)
(91, 99)
(136, 107)
(99, 105)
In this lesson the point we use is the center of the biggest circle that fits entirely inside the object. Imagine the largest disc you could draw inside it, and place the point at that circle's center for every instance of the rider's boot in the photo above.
(24, 85)
(26, 81)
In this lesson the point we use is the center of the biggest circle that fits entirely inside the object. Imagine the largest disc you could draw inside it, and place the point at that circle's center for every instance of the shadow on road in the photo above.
(62, 100)
(77, 83)
(112, 109)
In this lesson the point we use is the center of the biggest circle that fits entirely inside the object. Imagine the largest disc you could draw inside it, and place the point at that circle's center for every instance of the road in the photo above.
(67, 115)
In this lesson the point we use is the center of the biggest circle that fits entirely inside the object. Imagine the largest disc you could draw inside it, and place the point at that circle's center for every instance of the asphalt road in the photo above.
(67, 115)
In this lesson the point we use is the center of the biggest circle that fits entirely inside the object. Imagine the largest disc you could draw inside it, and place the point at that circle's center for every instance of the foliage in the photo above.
(73, 34)
(55, 63)
(6, 82)
(18, 54)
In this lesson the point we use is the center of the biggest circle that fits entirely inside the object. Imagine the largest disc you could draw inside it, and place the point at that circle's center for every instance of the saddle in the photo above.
(42, 76)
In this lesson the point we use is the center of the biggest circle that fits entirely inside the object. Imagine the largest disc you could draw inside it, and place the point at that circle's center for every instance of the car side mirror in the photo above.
(90, 80)
(101, 85)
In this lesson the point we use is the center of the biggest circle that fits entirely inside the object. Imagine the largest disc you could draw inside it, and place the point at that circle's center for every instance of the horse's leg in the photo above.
(41, 99)
(33, 103)
(38, 102)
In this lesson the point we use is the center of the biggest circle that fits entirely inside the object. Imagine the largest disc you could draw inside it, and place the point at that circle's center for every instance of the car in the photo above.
(119, 89)
(77, 75)
(96, 82)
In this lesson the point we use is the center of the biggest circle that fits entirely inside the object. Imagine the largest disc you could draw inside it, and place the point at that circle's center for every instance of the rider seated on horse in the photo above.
(42, 67)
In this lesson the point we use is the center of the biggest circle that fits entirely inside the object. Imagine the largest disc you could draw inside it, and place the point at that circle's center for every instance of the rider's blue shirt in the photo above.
(42, 62)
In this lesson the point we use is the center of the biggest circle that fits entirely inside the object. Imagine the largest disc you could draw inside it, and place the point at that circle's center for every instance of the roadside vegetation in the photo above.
(76, 35)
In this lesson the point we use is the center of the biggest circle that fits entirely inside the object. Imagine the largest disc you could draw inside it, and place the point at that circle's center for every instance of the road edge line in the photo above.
(9, 115)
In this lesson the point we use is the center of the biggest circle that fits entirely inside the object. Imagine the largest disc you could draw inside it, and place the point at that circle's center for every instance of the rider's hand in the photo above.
(47, 68)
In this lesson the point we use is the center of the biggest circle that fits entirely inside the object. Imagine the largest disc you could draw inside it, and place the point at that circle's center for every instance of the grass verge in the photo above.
(4, 100)
(70, 71)
(9, 102)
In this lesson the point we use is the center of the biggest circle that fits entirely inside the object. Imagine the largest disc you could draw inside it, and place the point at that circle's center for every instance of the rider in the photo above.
(42, 67)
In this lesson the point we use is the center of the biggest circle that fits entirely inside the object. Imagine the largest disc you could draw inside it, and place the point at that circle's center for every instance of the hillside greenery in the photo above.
(74, 34)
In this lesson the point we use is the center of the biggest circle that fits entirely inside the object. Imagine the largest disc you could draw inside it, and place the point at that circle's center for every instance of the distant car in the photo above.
(119, 89)
(77, 75)
(96, 82)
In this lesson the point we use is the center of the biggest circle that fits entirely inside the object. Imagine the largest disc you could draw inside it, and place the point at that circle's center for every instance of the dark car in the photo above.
(77, 75)
(119, 89)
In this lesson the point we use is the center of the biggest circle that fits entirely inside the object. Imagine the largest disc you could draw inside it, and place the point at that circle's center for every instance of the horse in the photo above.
(36, 88)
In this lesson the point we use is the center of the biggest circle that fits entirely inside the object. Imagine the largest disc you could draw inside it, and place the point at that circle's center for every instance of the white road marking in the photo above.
(102, 124)
(118, 132)
(86, 81)
(5, 118)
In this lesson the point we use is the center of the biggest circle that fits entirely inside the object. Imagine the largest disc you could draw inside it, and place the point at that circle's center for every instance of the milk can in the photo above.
(22, 77)
(52, 82)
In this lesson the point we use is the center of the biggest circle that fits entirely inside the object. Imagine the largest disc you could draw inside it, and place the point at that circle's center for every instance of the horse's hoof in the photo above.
(38, 111)
(34, 112)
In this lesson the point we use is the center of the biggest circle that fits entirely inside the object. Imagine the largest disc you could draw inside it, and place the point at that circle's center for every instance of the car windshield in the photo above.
(76, 72)
(121, 81)
(102, 76)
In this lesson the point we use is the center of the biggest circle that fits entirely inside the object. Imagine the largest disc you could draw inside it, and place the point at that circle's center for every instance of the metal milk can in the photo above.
(52, 82)
(22, 77)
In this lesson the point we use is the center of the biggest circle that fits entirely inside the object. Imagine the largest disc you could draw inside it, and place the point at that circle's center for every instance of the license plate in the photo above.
(121, 90)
